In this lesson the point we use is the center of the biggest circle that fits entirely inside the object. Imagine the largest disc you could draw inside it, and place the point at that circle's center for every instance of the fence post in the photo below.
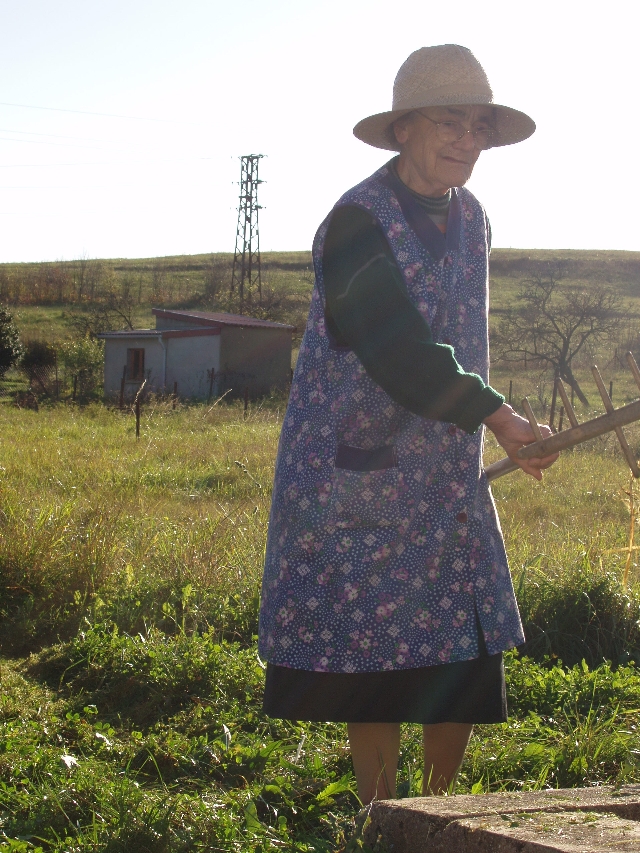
(122, 381)
(212, 374)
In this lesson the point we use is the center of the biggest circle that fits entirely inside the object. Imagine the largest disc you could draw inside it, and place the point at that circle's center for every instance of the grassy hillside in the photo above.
(44, 295)
(47, 297)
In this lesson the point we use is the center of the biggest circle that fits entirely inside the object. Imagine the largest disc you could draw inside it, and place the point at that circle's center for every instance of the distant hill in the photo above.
(124, 290)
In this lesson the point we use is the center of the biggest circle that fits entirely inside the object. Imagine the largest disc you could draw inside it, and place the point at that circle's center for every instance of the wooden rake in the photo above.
(613, 421)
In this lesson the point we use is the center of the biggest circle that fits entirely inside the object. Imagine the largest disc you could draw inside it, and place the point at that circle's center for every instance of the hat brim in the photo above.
(377, 130)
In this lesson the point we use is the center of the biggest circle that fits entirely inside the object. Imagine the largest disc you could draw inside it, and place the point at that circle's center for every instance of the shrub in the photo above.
(37, 356)
(579, 614)
(84, 358)
(10, 346)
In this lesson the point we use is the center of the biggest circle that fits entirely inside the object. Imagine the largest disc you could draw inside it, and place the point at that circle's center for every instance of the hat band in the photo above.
(445, 95)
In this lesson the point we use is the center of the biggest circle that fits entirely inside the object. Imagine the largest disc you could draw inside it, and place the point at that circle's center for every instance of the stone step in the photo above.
(573, 820)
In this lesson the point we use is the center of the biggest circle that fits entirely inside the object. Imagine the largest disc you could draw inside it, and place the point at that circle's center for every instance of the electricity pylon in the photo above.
(246, 260)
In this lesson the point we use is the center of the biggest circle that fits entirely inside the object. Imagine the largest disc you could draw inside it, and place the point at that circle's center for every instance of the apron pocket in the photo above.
(367, 488)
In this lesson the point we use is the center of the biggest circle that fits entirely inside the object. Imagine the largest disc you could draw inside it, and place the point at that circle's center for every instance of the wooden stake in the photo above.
(632, 526)
(634, 368)
(136, 408)
(628, 453)
(554, 397)
(566, 403)
(532, 419)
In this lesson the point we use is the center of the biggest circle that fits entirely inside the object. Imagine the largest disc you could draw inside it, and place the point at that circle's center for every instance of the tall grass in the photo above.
(130, 686)
(86, 508)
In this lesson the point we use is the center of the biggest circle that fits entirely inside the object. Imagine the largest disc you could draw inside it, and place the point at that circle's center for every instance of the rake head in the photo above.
(613, 421)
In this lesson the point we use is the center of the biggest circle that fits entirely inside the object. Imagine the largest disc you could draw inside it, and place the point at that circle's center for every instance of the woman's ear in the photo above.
(401, 129)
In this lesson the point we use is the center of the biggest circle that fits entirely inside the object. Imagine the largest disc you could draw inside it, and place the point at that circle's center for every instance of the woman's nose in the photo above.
(466, 142)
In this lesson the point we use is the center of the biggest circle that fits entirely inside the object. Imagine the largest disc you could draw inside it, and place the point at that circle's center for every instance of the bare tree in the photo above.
(116, 312)
(80, 268)
(554, 321)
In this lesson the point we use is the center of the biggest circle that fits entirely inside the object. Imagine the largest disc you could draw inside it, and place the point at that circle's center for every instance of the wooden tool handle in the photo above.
(500, 468)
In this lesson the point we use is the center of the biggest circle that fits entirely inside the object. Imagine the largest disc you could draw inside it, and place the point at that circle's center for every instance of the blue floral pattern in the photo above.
(385, 569)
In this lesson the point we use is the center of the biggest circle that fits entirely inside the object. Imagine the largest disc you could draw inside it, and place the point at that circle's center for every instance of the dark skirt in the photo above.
(470, 691)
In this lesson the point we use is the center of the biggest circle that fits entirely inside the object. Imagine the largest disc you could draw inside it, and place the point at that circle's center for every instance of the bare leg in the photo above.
(374, 749)
(444, 746)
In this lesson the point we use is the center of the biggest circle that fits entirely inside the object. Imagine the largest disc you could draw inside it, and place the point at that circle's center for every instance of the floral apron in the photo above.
(384, 548)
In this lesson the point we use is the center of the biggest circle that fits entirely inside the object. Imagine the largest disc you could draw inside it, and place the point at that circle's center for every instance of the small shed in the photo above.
(199, 353)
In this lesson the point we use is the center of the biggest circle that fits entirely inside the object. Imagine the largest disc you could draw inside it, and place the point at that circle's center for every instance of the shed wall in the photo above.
(188, 360)
(115, 359)
(258, 359)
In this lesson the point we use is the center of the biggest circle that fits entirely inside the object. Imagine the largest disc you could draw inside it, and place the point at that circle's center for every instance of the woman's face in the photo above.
(428, 165)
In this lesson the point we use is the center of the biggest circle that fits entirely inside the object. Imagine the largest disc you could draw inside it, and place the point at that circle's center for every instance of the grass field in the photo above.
(130, 702)
(130, 686)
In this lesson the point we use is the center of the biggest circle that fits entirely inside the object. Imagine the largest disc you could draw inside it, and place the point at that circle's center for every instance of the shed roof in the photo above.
(219, 318)
(161, 333)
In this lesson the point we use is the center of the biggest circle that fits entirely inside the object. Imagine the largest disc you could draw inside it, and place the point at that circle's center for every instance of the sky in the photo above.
(121, 121)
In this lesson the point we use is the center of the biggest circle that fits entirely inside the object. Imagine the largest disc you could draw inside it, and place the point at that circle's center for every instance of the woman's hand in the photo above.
(513, 432)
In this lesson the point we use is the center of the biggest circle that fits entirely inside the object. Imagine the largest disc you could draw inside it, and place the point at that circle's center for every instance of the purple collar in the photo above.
(435, 242)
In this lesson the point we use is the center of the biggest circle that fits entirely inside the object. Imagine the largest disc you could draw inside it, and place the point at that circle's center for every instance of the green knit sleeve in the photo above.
(369, 311)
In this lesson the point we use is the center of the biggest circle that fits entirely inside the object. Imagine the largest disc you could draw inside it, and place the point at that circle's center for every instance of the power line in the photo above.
(45, 142)
(90, 113)
(104, 163)
(54, 135)
(108, 186)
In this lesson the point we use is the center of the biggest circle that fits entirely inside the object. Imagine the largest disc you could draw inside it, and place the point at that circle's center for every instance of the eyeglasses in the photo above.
(484, 136)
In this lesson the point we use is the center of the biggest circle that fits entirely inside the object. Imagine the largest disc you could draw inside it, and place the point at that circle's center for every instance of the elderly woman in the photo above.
(386, 595)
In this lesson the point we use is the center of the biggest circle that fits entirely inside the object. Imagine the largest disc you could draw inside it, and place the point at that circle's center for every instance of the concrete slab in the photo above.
(509, 822)
(541, 832)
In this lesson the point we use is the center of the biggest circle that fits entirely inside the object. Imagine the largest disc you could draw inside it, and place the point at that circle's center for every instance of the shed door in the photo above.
(135, 364)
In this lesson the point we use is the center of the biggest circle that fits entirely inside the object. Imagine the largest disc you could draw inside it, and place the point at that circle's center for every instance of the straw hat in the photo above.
(441, 76)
